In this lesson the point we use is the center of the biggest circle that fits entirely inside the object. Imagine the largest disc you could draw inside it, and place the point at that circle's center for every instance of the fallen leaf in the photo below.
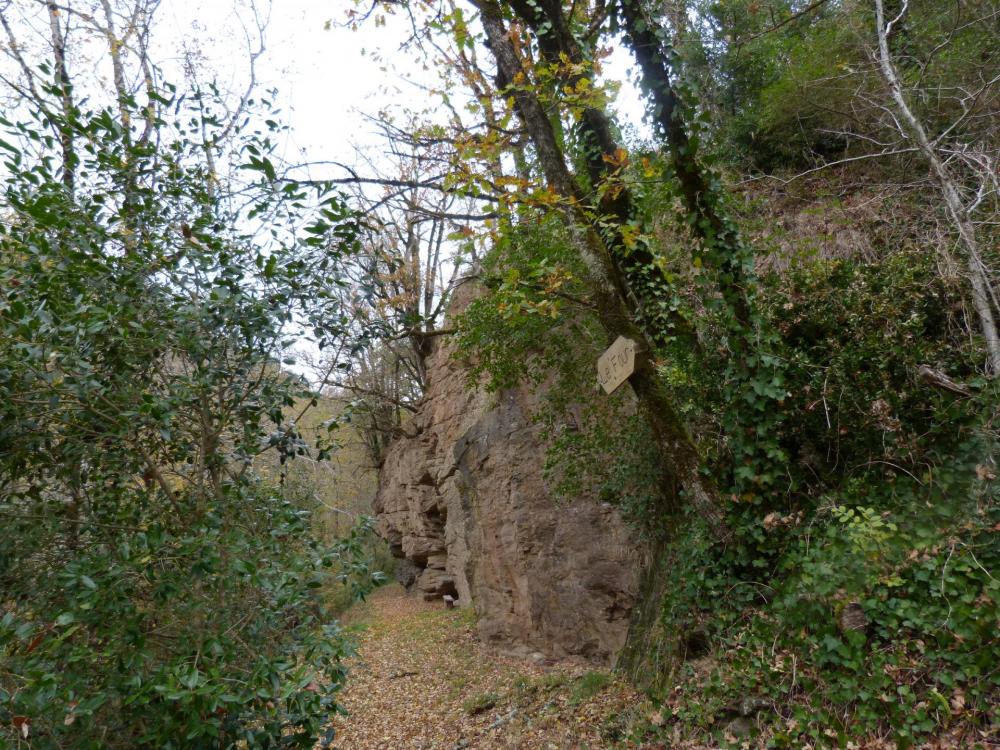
(23, 725)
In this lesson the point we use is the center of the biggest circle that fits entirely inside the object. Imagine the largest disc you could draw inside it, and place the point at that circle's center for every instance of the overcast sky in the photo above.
(325, 73)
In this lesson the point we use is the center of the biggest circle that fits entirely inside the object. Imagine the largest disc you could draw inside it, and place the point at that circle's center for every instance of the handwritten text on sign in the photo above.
(616, 364)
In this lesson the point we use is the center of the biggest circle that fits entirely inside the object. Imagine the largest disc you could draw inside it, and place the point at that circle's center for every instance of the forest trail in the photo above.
(422, 681)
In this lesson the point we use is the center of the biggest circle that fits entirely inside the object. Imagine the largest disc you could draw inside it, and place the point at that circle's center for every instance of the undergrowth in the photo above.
(853, 594)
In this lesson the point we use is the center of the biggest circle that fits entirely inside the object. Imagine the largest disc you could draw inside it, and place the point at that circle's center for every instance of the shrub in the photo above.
(155, 592)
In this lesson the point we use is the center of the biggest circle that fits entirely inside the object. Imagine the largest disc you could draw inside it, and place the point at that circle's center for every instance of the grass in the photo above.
(589, 685)
(456, 686)
(478, 704)
(553, 681)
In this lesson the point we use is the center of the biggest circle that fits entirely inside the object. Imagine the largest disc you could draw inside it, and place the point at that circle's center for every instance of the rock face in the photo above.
(463, 499)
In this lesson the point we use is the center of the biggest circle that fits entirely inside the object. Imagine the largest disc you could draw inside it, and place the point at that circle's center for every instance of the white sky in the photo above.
(326, 77)
(325, 73)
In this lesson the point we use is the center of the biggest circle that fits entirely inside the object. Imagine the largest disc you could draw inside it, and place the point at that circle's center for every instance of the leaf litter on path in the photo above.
(422, 681)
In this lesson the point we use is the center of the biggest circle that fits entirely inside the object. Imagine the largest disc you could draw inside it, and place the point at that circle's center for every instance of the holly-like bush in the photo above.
(155, 592)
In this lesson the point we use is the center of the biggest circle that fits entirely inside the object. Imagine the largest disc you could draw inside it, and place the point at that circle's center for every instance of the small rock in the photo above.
(538, 659)
(738, 727)
(754, 704)
(852, 617)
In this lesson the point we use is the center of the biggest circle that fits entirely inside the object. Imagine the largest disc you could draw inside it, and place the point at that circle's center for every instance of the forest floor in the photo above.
(422, 681)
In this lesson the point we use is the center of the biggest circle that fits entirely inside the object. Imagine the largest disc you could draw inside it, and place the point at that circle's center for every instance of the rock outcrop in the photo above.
(463, 499)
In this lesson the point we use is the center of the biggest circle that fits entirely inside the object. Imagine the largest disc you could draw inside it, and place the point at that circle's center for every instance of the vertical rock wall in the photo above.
(463, 499)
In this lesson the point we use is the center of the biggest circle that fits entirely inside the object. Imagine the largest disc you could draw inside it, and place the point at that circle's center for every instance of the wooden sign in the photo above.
(616, 364)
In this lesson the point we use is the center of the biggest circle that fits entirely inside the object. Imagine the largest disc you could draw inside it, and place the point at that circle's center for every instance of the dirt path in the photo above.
(422, 681)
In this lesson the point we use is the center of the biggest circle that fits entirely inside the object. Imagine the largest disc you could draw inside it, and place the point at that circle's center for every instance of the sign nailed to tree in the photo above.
(616, 364)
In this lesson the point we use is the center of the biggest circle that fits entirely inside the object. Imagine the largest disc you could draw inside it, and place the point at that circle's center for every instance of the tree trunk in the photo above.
(615, 310)
(724, 249)
(635, 263)
(65, 96)
(914, 130)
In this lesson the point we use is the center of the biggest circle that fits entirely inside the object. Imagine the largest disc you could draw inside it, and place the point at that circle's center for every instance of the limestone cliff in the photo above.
(462, 497)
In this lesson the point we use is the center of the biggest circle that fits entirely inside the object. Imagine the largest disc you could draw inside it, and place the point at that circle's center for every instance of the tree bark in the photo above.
(62, 81)
(957, 211)
(636, 265)
(718, 235)
(615, 309)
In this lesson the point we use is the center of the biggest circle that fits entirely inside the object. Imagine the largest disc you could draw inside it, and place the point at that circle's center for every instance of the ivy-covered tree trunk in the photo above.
(613, 204)
(720, 239)
(615, 304)
(753, 382)
(748, 374)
